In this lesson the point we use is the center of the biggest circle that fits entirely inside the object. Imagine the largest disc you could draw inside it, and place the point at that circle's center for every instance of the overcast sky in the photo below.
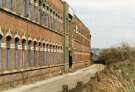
(111, 21)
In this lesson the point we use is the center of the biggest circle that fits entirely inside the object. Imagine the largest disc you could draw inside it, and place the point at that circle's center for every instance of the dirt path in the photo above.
(55, 84)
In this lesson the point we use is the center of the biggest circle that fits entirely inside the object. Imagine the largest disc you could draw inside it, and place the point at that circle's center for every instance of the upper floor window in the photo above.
(29, 8)
(9, 4)
(35, 12)
(18, 7)
(39, 11)
(45, 16)
(24, 7)
(0, 3)
(4, 3)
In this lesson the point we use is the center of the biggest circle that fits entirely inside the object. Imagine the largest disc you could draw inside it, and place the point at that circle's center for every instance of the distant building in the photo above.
(40, 38)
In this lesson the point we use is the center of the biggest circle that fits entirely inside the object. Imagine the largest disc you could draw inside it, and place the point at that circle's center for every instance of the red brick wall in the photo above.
(81, 45)
(22, 26)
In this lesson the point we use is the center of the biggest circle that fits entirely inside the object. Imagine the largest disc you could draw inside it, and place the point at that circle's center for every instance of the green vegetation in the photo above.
(123, 53)
(120, 63)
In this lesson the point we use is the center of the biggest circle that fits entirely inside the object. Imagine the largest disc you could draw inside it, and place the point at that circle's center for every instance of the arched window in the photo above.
(58, 23)
(47, 54)
(45, 16)
(39, 53)
(23, 49)
(54, 21)
(16, 39)
(43, 56)
(50, 54)
(51, 19)
(29, 50)
(8, 39)
(39, 11)
(35, 52)
(56, 57)
(61, 55)
(56, 28)
(1, 36)
(53, 54)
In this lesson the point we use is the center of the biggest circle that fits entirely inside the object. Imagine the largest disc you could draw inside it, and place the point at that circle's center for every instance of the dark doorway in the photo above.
(70, 60)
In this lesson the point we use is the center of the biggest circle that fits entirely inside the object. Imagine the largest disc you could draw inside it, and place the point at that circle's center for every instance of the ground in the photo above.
(55, 84)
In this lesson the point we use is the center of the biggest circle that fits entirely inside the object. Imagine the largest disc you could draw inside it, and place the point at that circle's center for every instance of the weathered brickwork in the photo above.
(80, 44)
(32, 41)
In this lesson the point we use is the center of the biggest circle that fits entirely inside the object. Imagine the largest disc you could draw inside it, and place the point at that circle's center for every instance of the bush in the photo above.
(121, 53)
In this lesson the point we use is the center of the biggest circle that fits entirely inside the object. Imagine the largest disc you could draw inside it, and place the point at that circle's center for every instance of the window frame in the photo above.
(43, 56)
(18, 7)
(1, 36)
(35, 53)
(8, 52)
(23, 51)
(16, 53)
(47, 54)
(29, 52)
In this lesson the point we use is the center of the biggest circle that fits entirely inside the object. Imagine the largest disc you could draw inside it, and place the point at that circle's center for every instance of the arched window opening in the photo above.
(56, 55)
(1, 36)
(23, 51)
(50, 54)
(16, 40)
(43, 56)
(61, 53)
(29, 50)
(39, 53)
(47, 46)
(35, 52)
(53, 54)
(46, 16)
(53, 20)
(8, 39)
(59, 23)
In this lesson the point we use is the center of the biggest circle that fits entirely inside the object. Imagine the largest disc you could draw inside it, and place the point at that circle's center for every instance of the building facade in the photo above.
(35, 41)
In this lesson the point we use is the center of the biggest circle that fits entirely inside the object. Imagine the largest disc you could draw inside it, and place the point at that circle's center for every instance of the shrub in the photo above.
(121, 53)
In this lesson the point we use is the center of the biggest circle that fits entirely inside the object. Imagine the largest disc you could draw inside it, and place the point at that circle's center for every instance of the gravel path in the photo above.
(55, 84)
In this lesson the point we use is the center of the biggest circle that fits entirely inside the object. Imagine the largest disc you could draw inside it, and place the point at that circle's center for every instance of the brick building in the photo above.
(35, 40)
